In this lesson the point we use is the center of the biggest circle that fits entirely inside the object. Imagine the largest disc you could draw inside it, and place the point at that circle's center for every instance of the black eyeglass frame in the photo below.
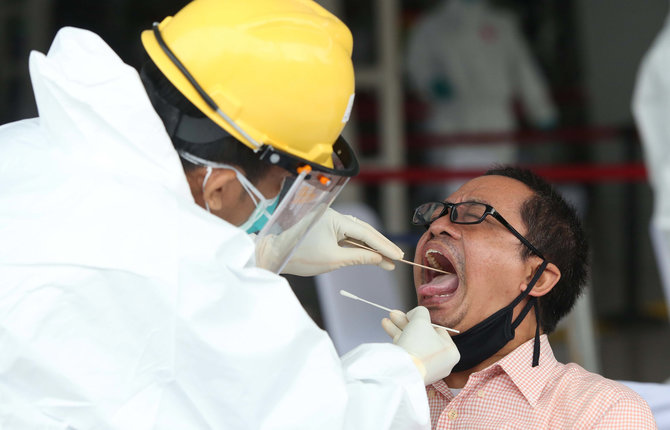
(490, 210)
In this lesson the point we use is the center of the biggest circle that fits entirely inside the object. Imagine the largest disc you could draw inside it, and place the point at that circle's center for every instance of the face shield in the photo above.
(303, 201)
(304, 196)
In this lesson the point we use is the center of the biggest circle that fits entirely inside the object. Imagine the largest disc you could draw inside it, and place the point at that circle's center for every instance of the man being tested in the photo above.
(132, 295)
(519, 260)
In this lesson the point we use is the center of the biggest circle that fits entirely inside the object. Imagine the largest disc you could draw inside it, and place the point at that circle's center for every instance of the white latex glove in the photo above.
(431, 348)
(320, 251)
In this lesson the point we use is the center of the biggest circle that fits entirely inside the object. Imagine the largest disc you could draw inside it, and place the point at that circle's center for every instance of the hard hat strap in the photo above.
(210, 102)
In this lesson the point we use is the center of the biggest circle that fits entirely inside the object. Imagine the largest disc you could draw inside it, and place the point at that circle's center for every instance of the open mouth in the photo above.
(437, 286)
(434, 258)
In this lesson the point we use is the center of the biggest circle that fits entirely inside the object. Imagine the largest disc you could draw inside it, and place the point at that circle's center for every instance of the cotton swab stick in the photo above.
(351, 296)
(351, 242)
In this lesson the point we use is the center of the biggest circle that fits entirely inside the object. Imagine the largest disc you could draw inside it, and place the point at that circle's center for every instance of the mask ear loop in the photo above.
(532, 302)
(536, 344)
(253, 192)
(256, 196)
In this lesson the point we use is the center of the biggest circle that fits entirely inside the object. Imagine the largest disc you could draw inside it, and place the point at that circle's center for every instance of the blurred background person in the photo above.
(470, 64)
(651, 106)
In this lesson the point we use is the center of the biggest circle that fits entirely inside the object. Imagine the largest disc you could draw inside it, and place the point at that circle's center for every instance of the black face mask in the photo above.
(489, 336)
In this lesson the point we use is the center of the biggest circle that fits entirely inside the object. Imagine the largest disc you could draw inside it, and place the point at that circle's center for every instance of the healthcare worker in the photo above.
(651, 107)
(469, 63)
(132, 295)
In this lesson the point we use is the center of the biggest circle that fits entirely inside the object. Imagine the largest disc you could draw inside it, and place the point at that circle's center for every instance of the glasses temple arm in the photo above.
(518, 235)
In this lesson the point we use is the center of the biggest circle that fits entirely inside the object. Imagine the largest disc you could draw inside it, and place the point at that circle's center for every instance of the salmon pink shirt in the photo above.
(510, 394)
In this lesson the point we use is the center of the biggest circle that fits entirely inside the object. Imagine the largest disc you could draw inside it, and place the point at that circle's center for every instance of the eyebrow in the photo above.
(472, 200)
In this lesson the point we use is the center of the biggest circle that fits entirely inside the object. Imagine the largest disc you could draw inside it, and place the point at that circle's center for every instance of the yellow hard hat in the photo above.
(272, 73)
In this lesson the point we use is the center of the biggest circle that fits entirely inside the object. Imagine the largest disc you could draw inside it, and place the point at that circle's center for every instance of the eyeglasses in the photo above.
(465, 213)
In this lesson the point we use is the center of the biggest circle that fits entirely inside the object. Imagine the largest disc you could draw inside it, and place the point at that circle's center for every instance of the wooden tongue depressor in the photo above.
(360, 245)
(351, 296)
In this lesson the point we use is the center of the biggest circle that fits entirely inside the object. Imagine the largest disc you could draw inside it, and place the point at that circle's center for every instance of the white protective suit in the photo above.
(124, 305)
(469, 62)
(651, 108)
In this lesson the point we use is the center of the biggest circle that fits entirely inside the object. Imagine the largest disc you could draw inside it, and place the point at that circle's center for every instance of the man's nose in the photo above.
(443, 226)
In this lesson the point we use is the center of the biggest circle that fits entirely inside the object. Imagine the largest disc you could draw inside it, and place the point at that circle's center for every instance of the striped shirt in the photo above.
(510, 394)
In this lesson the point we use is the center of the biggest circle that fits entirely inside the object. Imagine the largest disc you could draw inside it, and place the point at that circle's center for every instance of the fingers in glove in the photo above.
(354, 256)
(356, 229)
(387, 264)
(391, 329)
(419, 313)
(347, 243)
(399, 318)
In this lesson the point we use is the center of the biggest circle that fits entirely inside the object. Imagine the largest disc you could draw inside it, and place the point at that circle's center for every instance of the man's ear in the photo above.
(219, 192)
(548, 279)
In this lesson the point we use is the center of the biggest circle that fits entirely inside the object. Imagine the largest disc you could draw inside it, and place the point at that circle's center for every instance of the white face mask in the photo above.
(264, 207)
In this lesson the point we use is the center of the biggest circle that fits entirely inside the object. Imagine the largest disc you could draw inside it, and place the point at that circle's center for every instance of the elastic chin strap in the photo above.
(532, 303)
(204, 182)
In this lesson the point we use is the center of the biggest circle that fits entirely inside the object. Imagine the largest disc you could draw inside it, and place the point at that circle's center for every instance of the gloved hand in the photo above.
(320, 251)
(431, 348)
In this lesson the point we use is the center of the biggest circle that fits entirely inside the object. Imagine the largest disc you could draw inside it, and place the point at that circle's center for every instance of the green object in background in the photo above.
(442, 89)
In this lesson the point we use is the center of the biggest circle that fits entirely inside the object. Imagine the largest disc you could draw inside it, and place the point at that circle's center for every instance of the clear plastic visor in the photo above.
(303, 201)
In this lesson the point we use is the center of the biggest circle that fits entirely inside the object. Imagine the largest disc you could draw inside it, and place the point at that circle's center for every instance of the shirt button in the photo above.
(481, 393)
(452, 414)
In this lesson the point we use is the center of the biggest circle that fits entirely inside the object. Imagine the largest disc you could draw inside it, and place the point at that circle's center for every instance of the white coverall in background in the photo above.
(124, 305)
(468, 62)
(651, 108)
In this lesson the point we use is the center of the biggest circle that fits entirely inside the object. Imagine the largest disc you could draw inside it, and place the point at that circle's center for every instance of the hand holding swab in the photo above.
(351, 242)
(351, 296)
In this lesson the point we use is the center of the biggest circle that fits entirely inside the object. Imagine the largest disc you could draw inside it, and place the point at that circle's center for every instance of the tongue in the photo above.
(440, 285)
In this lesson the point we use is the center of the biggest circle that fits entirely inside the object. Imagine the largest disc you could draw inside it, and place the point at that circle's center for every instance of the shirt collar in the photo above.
(517, 365)
(530, 380)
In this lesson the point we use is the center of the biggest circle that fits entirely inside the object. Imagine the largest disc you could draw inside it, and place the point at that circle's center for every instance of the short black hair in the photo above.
(174, 108)
(554, 228)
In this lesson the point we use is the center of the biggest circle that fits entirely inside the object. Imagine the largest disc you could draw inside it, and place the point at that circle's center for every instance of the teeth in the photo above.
(431, 260)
